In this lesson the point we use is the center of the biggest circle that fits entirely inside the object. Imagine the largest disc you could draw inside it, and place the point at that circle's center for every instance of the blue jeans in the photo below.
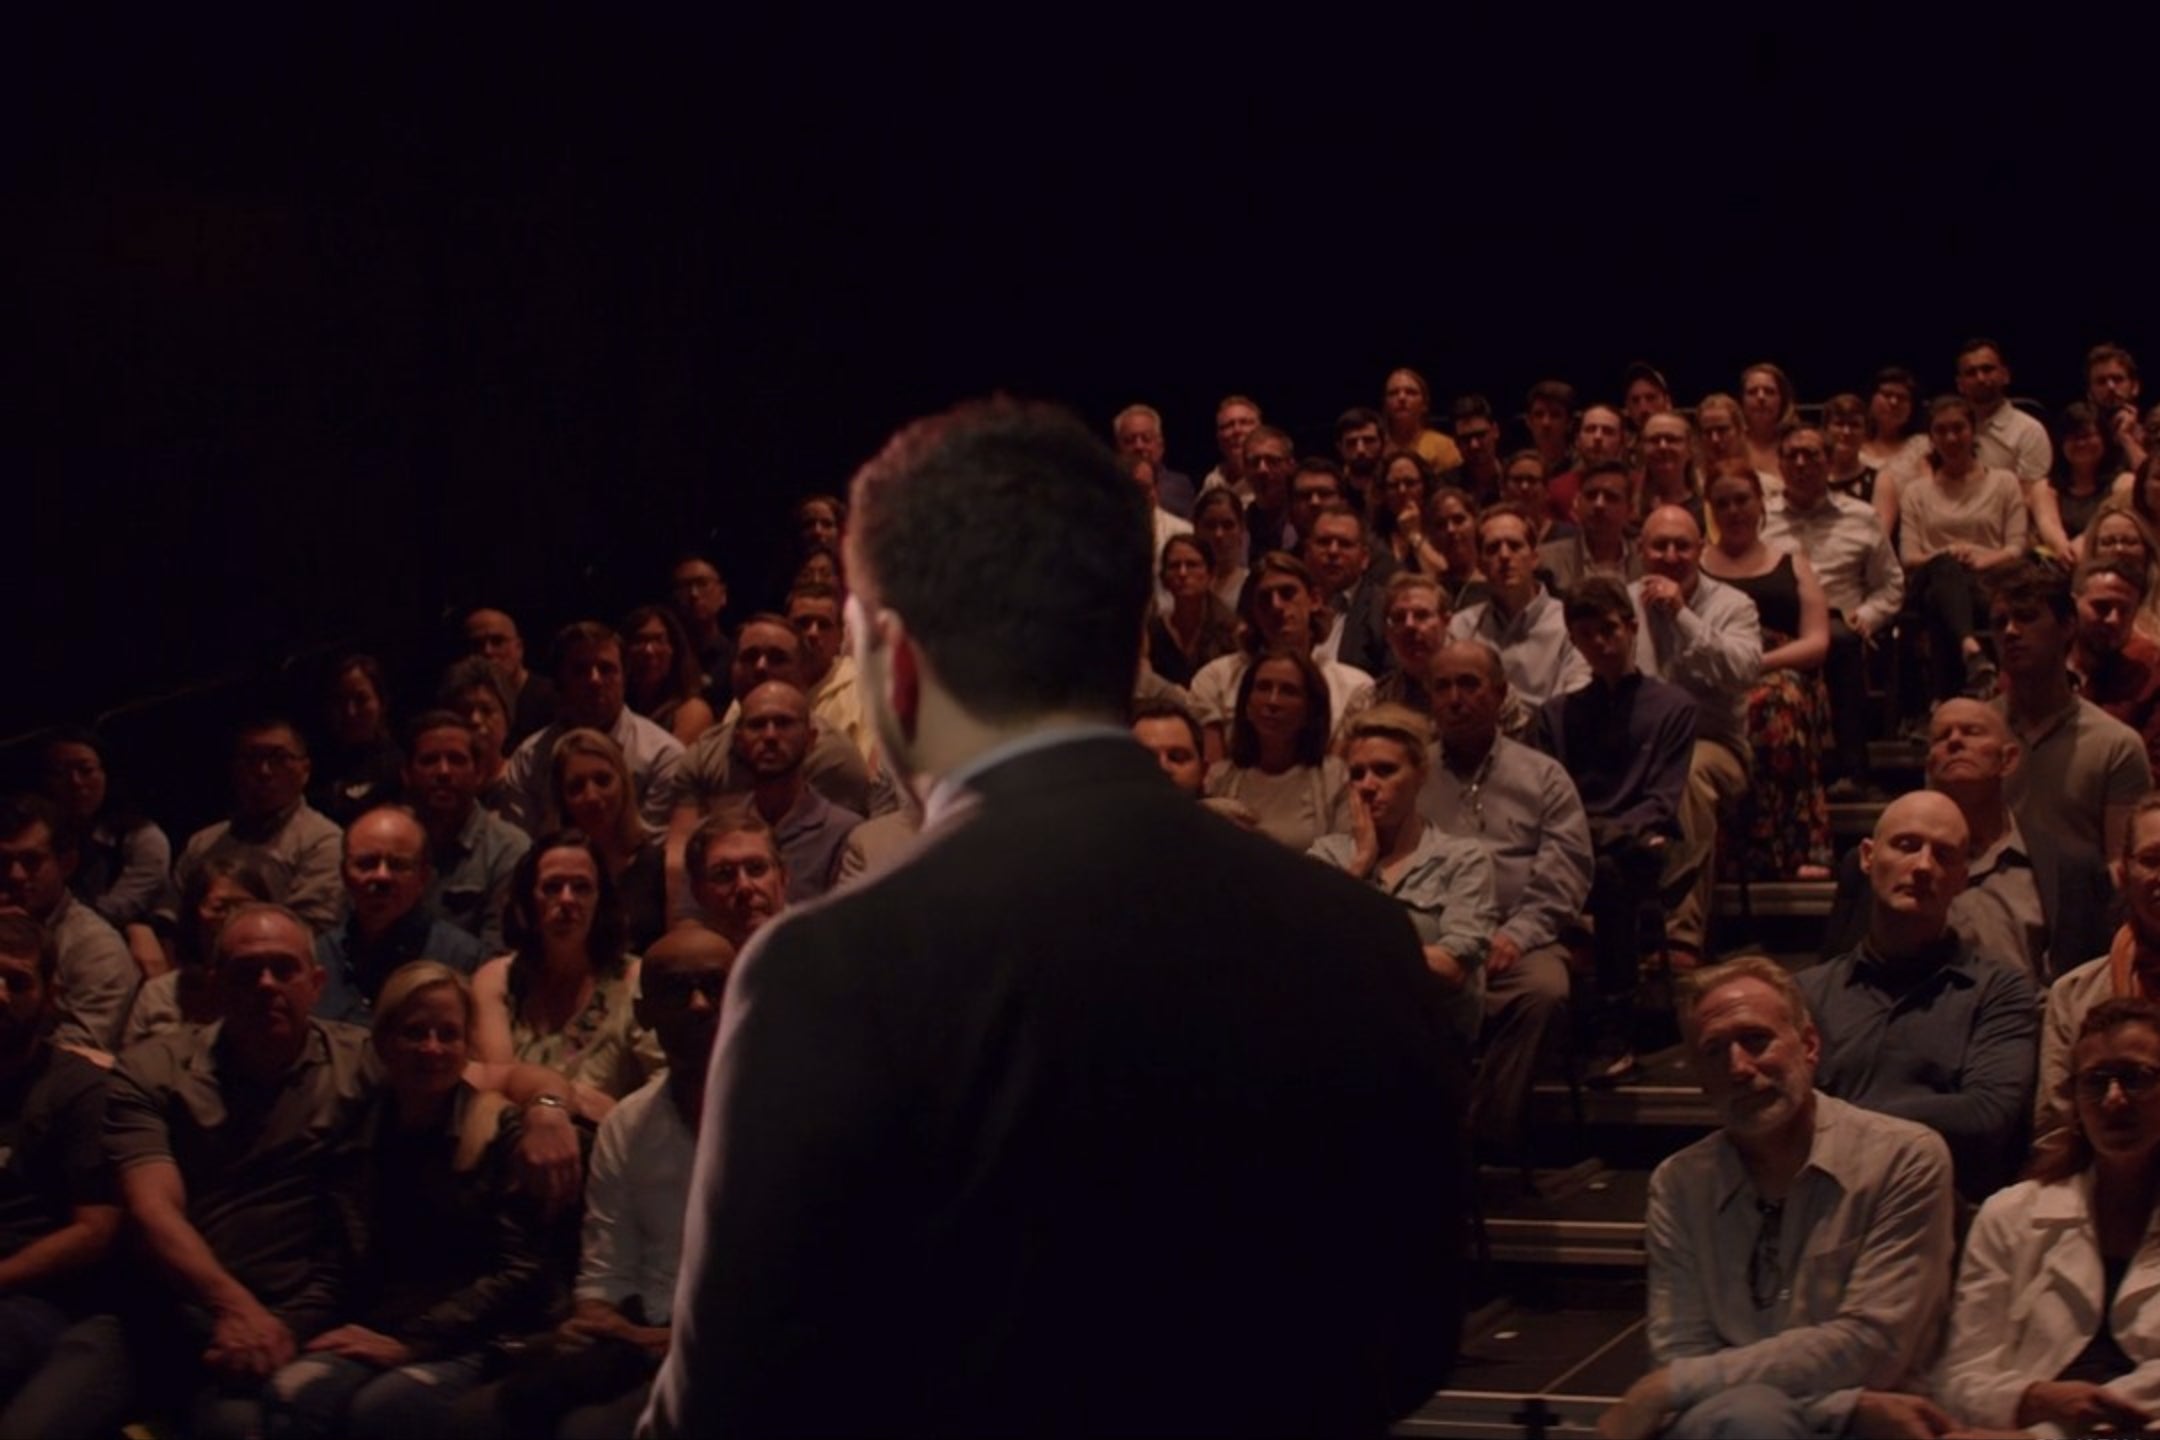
(1745, 1412)
(324, 1394)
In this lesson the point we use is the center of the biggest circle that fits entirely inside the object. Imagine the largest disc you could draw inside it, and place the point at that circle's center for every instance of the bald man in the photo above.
(1704, 636)
(493, 636)
(387, 870)
(1914, 1023)
(772, 741)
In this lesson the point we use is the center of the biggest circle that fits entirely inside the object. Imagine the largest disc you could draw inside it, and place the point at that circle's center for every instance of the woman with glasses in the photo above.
(1198, 626)
(2055, 1322)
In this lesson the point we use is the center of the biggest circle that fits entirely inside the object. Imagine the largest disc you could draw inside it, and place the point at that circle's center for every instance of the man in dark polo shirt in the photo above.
(58, 1213)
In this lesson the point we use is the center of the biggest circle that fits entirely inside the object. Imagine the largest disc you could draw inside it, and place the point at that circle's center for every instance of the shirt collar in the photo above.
(950, 788)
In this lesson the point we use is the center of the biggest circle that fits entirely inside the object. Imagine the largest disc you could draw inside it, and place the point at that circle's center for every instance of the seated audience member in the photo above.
(562, 998)
(273, 827)
(820, 524)
(1891, 445)
(1626, 740)
(2118, 669)
(1670, 475)
(1443, 882)
(1524, 485)
(122, 858)
(187, 992)
(1417, 619)
(1722, 425)
(58, 1208)
(2082, 771)
(1783, 831)
(829, 677)
(359, 764)
(1350, 581)
(1270, 460)
(1600, 435)
(1518, 619)
(767, 648)
(2082, 474)
(97, 977)
(662, 680)
(1235, 418)
(700, 597)
(471, 851)
(471, 688)
(1406, 403)
(1520, 805)
(1702, 635)
(1359, 444)
(772, 743)
(1451, 520)
(821, 565)
(1221, 523)
(1600, 545)
(738, 878)
(590, 790)
(2111, 388)
(1844, 430)
(1549, 416)
(492, 635)
(1279, 776)
(1843, 539)
(1315, 484)
(1197, 627)
(2119, 532)
(2128, 968)
(2054, 1324)
(451, 1256)
(1767, 411)
(883, 841)
(1398, 513)
(2006, 439)
(387, 923)
(1280, 609)
(1137, 434)
(1477, 436)
(589, 696)
(1956, 519)
(1797, 1255)
(1914, 1023)
(1643, 393)
(595, 1380)
(1172, 736)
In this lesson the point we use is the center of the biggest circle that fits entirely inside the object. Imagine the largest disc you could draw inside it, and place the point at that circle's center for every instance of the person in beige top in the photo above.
(1958, 518)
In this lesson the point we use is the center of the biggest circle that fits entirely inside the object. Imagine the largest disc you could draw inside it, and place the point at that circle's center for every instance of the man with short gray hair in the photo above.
(1138, 430)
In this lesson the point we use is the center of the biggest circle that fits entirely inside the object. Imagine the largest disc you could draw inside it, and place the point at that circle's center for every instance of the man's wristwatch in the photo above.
(552, 1102)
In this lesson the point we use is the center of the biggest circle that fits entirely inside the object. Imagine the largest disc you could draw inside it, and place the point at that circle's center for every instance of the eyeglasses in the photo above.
(2137, 1081)
(1765, 1263)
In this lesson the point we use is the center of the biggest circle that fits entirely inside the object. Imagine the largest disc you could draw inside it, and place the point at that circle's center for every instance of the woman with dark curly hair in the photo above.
(563, 997)
(661, 677)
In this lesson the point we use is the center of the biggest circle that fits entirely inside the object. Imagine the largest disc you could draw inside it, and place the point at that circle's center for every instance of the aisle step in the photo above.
(1542, 1366)
(1587, 1214)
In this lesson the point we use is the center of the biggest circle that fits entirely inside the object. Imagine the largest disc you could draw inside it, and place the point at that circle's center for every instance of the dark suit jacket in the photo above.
(1095, 1115)
(1364, 640)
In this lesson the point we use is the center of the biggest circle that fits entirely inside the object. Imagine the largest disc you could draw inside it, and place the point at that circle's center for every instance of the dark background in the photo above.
(322, 337)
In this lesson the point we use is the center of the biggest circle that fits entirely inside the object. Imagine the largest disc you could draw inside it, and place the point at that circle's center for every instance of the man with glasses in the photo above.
(2130, 969)
(272, 827)
(700, 598)
(1917, 1024)
(1796, 1256)
(1477, 436)
(387, 874)
(97, 977)
(1860, 574)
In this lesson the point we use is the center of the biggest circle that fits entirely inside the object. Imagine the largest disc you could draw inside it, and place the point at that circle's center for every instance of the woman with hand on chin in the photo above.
(1444, 883)
(2056, 1327)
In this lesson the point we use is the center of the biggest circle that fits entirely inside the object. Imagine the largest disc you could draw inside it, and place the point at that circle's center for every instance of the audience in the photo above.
(1278, 777)
(1219, 520)
(767, 648)
(1914, 1022)
(473, 689)
(1280, 609)
(589, 696)
(491, 635)
(387, 925)
(122, 858)
(471, 850)
(359, 764)
(700, 596)
(738, 878)
(829, 678)
(2127, 969)
(772, 745)
(1600, 545)
(187, 992)
(272, 827)
(1767, 412)
(2119, 532)
(1172, 736)
(1407, 403)
(1197, 627)
(662, 680)
(1956, 518)
(1518, 619)
(1351, 581)
(96, 976)
(1671, 474)
(1138, 434)
(2117, 667)
(1416, 619)
(590, 790)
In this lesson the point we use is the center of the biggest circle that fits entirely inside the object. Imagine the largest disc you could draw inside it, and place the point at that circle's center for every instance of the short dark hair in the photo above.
(1312, 736)
(2097, 565)
(813, 590)
(1316, 465)
(1470, 407)
(428, 720)
(2024, 583)
(1597, 597)
(729, 820)
(1019, 553)
(1556, 392)
(1169, 710)
(1982, 342)
(580, 635)
(475, 673)
(767, 618)
(1644, 370)
(1602, 467)
(19, 812)
(262, 724)
(24, 937)
(2107, 350)
(1357, 417)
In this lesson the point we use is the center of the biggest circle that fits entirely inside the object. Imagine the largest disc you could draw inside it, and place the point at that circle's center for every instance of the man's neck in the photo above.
(686, 1089)
(1614, 682)
(1605, 547)
(1898, 940)
(1794, 500)
(1512, 601)
(775, 798)
(370, 934)
(1987, 819)
(2041, 696)
(1464, 755)
(947, 738)
(1773, 1161)
(1988, 412)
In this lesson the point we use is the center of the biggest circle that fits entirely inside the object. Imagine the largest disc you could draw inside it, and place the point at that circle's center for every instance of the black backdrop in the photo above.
(321, 336)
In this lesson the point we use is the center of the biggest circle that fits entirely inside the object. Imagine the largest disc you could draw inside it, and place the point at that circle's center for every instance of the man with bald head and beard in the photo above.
(1914, 1023)
(772, 740)
(1704, 636)
(767, 647)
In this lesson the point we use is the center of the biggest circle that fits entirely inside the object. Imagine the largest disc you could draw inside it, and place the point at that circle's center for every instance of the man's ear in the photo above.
(2013, 756)
(1867, 853)
(903, 666)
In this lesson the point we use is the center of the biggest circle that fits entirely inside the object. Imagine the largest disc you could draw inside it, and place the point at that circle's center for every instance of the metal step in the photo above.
(1662, 1094)
(1806, 899)
(1587, 1214)
(1547, 1367)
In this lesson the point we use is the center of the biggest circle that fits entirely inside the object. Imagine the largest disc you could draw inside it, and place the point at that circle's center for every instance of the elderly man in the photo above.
(472, 852)
(1520, 620)
(1797, 1255)
(1860, 574)
(2128, 969)
(974, 1108)
(767, 647)
(1704, 636)
(2118, 669)
(1914, 1023)
(2082, 769)
(273, 827)
(1519, 804)
(772, 741)
(388, 924)
(1235, 418)
(589, 695)
(97, 976)
(738, 878)
(493, 636)
(1138, 431)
